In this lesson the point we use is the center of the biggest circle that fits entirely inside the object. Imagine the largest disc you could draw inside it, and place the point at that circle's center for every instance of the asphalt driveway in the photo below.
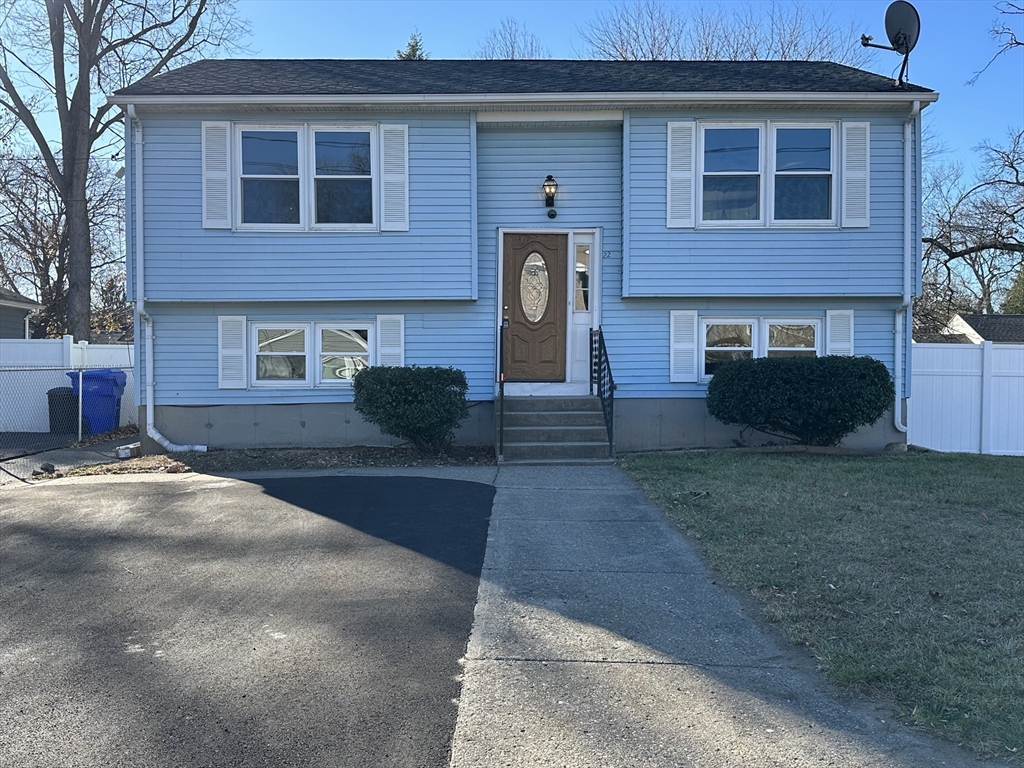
(199, 621)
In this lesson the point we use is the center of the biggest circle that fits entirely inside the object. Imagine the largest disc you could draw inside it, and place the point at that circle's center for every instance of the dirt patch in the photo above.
(257, 459)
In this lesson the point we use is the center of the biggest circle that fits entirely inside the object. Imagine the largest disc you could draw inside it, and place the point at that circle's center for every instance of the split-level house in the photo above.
(291, 222)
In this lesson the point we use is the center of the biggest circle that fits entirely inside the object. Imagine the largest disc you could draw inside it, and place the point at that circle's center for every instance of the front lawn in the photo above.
(904, 574)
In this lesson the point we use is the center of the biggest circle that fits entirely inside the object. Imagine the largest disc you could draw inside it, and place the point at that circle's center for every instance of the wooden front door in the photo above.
(534, 301)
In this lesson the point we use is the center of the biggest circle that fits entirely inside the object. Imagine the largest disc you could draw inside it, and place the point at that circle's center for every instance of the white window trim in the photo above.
(237, 177)
(313, 129)
(254, 329)
(347, 326)
(307, 176)
(833, 220)
(730, 224)
(766, 172)
(759, 335)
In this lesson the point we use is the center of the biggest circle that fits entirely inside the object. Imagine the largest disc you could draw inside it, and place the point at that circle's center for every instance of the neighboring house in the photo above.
(14, 312)
(974, 329)
(294, 221)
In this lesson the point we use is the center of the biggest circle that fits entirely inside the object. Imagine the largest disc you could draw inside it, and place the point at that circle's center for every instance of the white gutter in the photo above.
(601, 101)
(908, 248)
(140, 296)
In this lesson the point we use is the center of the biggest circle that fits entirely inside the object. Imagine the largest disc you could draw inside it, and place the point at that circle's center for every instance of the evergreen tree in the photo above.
(1014, 302)
(414, 50)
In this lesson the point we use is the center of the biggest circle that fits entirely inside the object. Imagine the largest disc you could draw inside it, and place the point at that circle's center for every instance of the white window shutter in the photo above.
(390, 340)
(681, 150)
(856, 174)
(394, 142)
(231, 354)
(839, 332)
(216, 175)
(683, 345)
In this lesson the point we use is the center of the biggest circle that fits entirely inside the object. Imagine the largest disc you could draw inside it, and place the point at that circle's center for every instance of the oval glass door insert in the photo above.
(534, 287)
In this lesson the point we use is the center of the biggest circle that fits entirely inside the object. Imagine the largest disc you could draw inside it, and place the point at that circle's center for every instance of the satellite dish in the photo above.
(902, 26)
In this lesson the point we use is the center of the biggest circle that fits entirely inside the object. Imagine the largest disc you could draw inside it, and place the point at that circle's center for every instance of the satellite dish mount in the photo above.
(903, 28)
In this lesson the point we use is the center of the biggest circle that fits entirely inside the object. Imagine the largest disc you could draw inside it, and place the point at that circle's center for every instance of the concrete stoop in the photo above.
(555, 430)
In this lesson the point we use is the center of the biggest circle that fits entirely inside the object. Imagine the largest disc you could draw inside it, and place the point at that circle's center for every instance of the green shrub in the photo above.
(813, 400)
(421, 405)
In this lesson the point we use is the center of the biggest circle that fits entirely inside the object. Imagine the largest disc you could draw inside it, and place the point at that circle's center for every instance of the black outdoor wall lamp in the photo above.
(550, 187)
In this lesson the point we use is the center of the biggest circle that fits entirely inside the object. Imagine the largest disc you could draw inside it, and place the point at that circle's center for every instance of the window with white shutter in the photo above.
(395, 178)
(216, 175)
(683, 344)
(839, 332)
(390, 340)
(856, 175)
(680, 203)
(231, 354)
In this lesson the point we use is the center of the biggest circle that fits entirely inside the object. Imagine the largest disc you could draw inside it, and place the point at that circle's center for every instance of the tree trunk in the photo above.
(79, 247)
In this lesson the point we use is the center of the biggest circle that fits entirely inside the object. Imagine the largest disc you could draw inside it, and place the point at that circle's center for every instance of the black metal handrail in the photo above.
(601, 380)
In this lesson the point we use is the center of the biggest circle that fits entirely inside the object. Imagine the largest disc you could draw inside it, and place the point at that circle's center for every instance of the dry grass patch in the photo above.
(902, 573)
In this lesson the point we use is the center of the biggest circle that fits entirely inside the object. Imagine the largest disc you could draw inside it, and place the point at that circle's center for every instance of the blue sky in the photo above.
(954, 45)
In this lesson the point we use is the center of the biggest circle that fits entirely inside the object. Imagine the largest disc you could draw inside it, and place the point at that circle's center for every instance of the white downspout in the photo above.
(908, 246)
(140, 306)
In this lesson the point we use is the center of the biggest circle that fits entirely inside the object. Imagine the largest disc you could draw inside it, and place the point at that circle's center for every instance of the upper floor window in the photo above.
(767, 173)
(282, 185)
(803, 176)
(732, 174)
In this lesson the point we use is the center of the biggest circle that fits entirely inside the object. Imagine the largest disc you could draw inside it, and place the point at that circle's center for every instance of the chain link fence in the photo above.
(44, 408)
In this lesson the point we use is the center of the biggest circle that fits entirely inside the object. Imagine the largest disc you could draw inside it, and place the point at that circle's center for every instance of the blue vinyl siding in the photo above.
(763, 261)
(512, 163)
(185, 347)
(637, 334)
(433, 260)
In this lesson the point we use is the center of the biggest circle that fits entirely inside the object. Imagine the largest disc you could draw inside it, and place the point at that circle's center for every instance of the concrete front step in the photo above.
(554, 419)
(583, 403)
(562, 451)
(555, 434)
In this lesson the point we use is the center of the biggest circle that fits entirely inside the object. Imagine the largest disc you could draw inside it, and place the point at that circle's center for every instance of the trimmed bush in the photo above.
(421, 405)
(812, 400)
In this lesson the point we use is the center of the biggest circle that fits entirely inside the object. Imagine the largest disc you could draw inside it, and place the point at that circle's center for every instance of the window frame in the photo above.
(833, 128)
(313, 129)
(254, 354)
(730, 223)
(306, 133)
(759, 336)
(319, 381)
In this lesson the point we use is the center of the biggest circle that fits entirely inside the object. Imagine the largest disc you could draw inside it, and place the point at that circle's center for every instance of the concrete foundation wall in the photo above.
(669, 423)
(310, 425)
(641, 424)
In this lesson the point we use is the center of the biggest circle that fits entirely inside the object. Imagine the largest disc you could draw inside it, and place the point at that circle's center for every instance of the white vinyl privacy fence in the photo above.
(968, 398)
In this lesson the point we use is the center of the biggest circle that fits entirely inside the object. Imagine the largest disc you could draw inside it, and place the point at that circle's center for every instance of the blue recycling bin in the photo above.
(101, 398)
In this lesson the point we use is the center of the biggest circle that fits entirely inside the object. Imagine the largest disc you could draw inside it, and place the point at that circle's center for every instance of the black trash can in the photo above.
(63, 411)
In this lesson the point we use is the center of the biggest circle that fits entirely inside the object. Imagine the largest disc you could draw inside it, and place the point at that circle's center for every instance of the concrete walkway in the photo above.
(601, 640)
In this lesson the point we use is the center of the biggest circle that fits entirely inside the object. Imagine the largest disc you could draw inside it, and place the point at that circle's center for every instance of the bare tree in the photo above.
(511, 40)
(34, 235)
(651, 30)
(58, 55)
(1003, 33)
(974, 235)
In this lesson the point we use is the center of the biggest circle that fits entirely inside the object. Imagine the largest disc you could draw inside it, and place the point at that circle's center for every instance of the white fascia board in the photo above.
(26, 304)
(489, 100)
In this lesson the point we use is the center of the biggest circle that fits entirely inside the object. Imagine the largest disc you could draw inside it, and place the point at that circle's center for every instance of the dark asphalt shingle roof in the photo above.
(10, 295)
(1002, 328)
(368, 77)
